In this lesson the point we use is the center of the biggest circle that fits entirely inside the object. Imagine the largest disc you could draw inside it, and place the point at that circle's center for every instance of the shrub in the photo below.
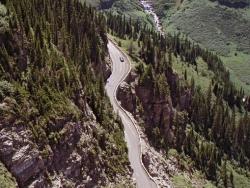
(6, 89)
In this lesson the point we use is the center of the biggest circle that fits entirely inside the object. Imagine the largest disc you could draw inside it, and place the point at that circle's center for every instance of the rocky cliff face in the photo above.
(127, 96)
(74, 159)
(154, 109)
(19, 153)
(157, 110)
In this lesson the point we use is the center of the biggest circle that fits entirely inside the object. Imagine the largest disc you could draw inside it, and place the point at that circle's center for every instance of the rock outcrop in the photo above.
(158, 110)
(73, 160)
(126, 94)
(19, 153)
(155, 109)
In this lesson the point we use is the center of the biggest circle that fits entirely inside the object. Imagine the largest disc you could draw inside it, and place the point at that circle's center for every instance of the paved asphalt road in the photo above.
(119, 72)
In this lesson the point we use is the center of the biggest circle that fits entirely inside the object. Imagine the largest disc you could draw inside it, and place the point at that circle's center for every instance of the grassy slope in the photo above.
(218, 28)
(182, 179)
(202, 77)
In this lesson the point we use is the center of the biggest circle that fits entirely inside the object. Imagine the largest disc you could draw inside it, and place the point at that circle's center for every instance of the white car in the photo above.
(121, 59)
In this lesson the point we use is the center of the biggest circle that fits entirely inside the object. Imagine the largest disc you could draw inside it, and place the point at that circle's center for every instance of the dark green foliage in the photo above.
(48, 52)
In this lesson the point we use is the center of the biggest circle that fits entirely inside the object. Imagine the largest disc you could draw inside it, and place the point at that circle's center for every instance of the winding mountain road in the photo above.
(120, 70)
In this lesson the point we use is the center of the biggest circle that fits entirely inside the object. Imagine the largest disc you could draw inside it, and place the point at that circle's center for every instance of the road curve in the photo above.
(120, 70)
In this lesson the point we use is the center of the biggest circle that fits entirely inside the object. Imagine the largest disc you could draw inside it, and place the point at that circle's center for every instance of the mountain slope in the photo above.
(220, 26)
(184, 99)
(129, 8)
(57, 127)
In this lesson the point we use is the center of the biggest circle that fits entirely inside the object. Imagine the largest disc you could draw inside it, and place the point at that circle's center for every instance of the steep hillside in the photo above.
(57, 128)
(188, 107)
(221, 26)
(129, 8)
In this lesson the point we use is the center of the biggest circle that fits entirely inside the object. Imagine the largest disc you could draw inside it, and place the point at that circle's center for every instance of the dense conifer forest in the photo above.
(53, 56)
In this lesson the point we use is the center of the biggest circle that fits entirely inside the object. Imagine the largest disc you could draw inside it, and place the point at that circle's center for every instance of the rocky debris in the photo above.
(73, 159)
(158, 169)
(26, 163)
(157, 165)
(162, 167)
(74, 169)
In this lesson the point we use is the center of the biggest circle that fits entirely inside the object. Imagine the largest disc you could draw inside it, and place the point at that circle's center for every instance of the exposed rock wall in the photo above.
(19, 153)
(127, 96)
(154, 109)
(73, 160)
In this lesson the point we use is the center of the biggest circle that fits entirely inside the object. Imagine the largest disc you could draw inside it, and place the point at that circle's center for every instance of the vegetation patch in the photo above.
(6, 179)
(219, 28)
(4, 19)
(189, 103)
(199, 73)
(181, 181)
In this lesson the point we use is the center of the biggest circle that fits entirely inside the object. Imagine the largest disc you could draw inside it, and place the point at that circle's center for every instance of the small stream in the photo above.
(148, 7)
